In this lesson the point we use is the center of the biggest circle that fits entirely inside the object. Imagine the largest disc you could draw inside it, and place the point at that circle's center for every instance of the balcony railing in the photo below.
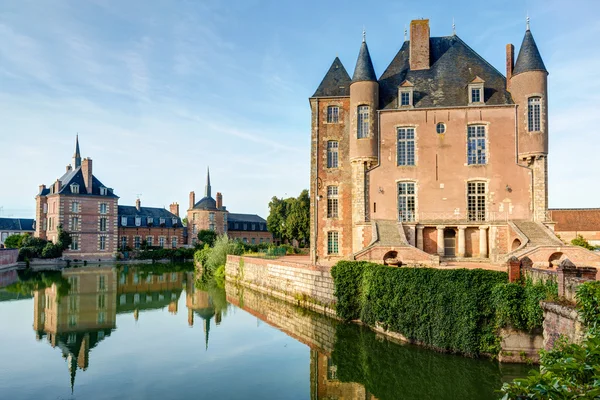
(453, 216)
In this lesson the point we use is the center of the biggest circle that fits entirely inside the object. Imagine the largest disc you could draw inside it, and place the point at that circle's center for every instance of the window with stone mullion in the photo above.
(406, 201)
(332, 154)
(476, 153)
(533, 114)
(332, 201)
(406, 146)
(362, 122)
(476, 208)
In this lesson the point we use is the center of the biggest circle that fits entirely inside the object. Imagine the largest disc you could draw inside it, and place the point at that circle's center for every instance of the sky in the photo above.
(160, 90)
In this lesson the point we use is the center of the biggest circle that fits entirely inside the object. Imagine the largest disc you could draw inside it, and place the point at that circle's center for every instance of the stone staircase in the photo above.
(388, 233)
(537, 234)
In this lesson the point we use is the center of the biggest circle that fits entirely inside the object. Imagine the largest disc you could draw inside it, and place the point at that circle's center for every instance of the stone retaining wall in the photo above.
(308, 286)
(8, 256)
(561, 320)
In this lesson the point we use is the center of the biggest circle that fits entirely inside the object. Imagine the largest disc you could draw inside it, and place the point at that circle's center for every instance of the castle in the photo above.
(442, 157)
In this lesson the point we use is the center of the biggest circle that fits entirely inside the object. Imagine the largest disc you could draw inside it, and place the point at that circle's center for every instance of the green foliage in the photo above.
(64, 239)
(219, 276)
(208, 237)
(32, 247)
(568, 371)
(30, 281)
(218, 256)
(444, 309)
(581, 241)
(518, 304)
(15, 241)
(289, 219)
(51, 250)
(155, 254)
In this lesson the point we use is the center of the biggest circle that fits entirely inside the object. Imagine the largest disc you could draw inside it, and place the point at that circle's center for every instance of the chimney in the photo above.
(419, 44)
(42, 187)
(192, 199)
(69, 168)
(138, 204)
(174, 208)
(86, 170)
(219, 200)
(510, 63)
(57, 186)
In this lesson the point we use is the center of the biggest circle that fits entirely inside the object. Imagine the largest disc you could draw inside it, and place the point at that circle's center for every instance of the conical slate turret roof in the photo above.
(335, 83)
(364, 70)
(529, 58)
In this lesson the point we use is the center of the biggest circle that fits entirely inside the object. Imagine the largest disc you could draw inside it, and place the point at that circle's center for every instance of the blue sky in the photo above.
(159, 90)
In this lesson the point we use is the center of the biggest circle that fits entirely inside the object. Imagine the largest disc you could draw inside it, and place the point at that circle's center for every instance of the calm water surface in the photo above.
(151, 332)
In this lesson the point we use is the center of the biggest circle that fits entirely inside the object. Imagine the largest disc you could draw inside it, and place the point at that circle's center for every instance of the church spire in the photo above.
(207, 188)
(77, 155)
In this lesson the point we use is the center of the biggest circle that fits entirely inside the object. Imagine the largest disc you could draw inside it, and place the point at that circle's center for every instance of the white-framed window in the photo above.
(73, 284)
(406, 146)
(150, 240)
(101, 301)
(162, 221)
(74, 206)
(333, 114)
(476, 138)
(103, 208)
(332, 201)
(150, 220)
(75, 188)
(211, 227)
(253, 227)
(73, 305)
(74, 243)
(45, 208)
(194, 229)
(102, 243)
(174, 221)
(103, 191)
(174, 242)
(173, 278)
(136, 242)
(211, 216)
(476, 92)
(73, 320)
(405, 98)
(362, 125)
(332, 153)
(103, 221)
(161, 241)
(74, 223)
(123, 221)
(476, 192)
(332, 242)
(406, 201)
(101, 283)
(138, 221)
(245, 240)
(475, 95)
(534, 111)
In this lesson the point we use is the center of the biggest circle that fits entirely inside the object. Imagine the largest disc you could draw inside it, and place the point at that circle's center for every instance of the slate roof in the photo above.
(130, 212)
(336, 82)
(206, 203)
(248, 219)
(453, 66)
(17, 224)
(364, 70)
(529, 58)
(578, 219)
(75, 176)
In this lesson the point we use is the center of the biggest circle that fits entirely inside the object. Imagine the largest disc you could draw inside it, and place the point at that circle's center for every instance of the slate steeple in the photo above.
(529, 58)
(364, 70)
(207, 188)
(335, 83)
(77, 155)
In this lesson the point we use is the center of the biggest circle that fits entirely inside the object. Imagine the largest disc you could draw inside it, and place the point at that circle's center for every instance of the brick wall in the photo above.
(155, 232)
(561, 320)
(306, 285)
(8, 256)
(267, 237)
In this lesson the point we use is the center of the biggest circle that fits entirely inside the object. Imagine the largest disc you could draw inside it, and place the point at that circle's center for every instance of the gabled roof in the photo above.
(453, 66)
(75, 176)
(17, 224)
(336, 82)
(529, 58)
(364, 70)
(131, 212)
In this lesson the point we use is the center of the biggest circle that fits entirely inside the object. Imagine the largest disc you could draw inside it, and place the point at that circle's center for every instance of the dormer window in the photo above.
(103, 191)
(476, 91)
(150, 220)
(75, 188)
(138, 221)
(123, 221)
(162, 221)
(405, 94)
(174, 221)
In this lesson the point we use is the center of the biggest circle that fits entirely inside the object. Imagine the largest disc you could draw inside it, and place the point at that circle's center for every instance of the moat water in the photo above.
(155, 332)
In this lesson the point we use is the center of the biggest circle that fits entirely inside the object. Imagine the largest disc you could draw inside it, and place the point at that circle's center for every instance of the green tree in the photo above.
(184, 221)
(64, 239)
(297, 224)
(208, 237)
(581, 241)
(278, 211)
(15, 241)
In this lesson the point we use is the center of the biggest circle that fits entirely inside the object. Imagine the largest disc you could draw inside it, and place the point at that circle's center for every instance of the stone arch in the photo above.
(391, 258)
(515, 244)
(555, 259)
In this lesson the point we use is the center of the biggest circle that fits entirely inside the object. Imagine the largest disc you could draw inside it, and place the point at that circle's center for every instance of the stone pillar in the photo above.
(440, 240)
(540, 188)
(462, 248)
(483, 247)
(514, 269)
(420, 237)
(358, 202)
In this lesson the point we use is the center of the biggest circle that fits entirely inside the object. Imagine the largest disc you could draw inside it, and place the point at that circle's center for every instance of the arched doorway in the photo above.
(391, 258)
(555, 259)
(450, 242)
(515, 244)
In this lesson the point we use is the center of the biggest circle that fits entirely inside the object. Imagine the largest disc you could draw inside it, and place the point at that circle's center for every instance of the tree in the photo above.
(15, 241)
(581, 241)
(277, 217)
(184, 221)
(207, 237)
(64, 239)
(297, 224)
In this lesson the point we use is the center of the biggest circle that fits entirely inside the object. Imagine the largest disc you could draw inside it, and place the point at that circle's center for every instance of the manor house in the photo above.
(440, 158)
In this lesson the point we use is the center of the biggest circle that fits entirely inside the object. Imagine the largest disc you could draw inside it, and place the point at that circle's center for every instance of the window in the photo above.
(138, 221)
(253, 240)
(45, 208)
(150, 220)
(173, 278)
(332, 154)
(174, 242)
(194, 229)
(211, 216)
(404, 98)
(440, 128)
(123, 221)
(75, 206)
(211, 227)
(363, 122)
(101, 317)
(123, 242)
(534, 105)
(332, 242)
(162, 221)
(476, 144)
(245, 240)
(406, 146)
(73, 303)
(102, 282)
(161, 241)
(102, 224)
(73, 284)
(103, 191)
(149, 279)
(475, 91)
(101, 301)
(149, 240)
(102, 242)
(261, 241)
(136, 242)
(174, 221)
(476, 201)
(236, 226)
(253, 227)
(72, 320)
(333, 113)
(332, 201)
(74, 243)
(74, 223)
(245, 227)
(475, 95)
(406, 201)
(103, 208)
(75, 189)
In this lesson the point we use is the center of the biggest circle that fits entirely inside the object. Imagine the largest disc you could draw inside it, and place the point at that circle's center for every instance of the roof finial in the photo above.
(405, 33)
(528, 20)
(364, 34)
(77, 155)
(453, 27)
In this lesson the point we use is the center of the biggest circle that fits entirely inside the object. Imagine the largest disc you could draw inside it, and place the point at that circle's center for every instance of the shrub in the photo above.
(51, 251)
(27, 253)
(581, 241)
(207, 237)
(15, 241)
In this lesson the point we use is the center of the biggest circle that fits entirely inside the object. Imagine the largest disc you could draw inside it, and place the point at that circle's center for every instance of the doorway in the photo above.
(449, 242)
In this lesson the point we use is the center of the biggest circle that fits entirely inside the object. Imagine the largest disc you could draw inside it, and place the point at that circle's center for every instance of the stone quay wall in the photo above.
(315, 330)
(561, 320)
(306, 285)
(8, 257)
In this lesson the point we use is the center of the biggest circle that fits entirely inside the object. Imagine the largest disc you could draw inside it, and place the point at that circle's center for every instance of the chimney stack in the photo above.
(69, 168)
(57, 186)
(86, 169)
(42, 187)
(174, 208)
(138, 204)
(419, 44)
(219, 200)
(192, 199)
(510, 63)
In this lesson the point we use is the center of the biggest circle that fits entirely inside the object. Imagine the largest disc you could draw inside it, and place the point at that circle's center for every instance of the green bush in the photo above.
(445, 309)
(180, 254)
(51, 251)
(581, 241)
(588, 301)
(15, 241)
(28, 253)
